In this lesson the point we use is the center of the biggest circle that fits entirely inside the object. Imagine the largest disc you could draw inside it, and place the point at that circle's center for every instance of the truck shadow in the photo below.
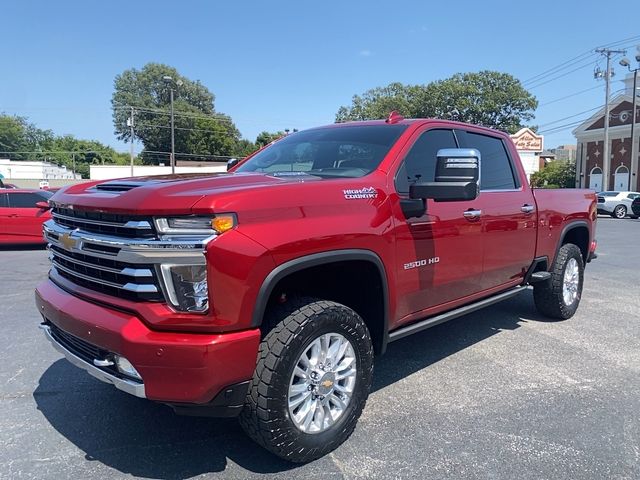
(146, 439)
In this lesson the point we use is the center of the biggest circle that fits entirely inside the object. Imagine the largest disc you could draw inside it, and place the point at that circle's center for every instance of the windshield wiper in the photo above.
(291, 174)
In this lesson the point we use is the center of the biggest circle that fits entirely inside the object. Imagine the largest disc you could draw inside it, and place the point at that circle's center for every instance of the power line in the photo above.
(559, 128)
(558, 68)
(575, 60)
(568, 96)
(150, 125)
(570, 116)
(553, 79)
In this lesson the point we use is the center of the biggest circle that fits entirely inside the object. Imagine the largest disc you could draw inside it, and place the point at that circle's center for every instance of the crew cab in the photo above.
(265, 291)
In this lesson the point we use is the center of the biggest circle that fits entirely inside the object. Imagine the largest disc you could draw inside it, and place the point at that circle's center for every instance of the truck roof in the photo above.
(399, 120)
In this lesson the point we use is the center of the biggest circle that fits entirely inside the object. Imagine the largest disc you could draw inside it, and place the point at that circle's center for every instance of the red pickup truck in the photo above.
(264, 292)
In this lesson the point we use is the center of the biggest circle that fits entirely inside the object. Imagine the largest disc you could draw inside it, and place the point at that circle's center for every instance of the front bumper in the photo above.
(604, 209)
(175, 367)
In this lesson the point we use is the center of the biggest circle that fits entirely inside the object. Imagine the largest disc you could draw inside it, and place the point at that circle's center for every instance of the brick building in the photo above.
(623, 161)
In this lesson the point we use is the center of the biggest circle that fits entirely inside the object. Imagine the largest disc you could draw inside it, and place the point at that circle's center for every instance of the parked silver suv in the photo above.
(616, 204)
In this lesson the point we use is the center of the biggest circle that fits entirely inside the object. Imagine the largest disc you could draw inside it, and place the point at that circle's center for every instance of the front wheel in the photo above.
(559, 296)
(312, 380)
(619, 212)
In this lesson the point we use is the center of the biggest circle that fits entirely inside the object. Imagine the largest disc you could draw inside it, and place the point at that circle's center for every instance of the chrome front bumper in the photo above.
(132, 388)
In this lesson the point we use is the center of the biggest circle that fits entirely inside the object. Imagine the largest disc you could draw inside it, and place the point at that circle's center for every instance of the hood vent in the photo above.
(118, 186)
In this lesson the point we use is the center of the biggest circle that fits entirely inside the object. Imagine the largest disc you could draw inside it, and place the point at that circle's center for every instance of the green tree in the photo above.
(488, 98)
(558, 174)
(18, 136)
(265, 138)
(244, 148)
(378, 102)
(199, 129)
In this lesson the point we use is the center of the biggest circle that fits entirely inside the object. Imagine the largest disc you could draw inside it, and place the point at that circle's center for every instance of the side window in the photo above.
(24, 200)
(632, 196)
(3, 200)
(420, 162)
(495, 172)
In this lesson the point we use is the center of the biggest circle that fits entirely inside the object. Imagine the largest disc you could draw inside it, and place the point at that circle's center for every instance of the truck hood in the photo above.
(163, 194)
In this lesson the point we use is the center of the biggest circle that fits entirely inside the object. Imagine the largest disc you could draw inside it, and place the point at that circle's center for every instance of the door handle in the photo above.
(472, 214)
(528, 209)
(13, 215)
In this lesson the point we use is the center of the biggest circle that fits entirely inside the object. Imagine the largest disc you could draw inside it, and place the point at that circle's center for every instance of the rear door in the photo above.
(25, 219)
(439, 255)
(508, 213)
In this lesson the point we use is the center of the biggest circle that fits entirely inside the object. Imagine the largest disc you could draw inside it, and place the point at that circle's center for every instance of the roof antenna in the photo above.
(394, 117)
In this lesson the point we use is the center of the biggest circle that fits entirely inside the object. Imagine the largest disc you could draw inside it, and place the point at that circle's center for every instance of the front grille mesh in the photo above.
(129, 281)
(126, 226)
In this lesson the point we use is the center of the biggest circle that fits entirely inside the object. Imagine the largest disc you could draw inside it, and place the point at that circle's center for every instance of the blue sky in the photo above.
(277, 65)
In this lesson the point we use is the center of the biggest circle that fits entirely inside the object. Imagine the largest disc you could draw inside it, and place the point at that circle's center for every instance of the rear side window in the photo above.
(496, 172)
(26, 200)
(420, 163)
(3, 200)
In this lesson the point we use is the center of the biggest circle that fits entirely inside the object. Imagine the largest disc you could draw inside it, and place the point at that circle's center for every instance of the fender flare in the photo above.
(567, 228)
(301, 263)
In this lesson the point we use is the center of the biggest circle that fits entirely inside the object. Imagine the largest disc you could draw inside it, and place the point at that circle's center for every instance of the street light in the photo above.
(634, 158)
(169, 80)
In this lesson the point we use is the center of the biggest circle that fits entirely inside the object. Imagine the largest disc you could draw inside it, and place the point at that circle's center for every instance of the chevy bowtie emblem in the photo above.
(327, 383)
(67, 241)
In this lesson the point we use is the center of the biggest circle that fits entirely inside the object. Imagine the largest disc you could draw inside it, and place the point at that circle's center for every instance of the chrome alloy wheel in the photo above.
(571, 281)
(322, 383)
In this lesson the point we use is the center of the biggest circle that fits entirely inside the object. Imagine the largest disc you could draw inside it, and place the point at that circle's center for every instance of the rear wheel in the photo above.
(311, 381)
(619, 212)
(559, 296)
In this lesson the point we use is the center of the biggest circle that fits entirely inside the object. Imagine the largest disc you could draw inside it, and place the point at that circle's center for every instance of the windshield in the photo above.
(349, 151)
(608, 194)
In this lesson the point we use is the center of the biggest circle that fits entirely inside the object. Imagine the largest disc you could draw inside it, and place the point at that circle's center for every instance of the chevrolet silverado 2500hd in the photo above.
(265, 291)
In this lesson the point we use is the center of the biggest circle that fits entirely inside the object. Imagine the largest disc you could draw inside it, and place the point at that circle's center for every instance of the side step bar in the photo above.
(450, 315)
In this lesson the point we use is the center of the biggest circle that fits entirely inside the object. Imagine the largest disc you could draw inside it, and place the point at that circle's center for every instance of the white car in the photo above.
(616, 204)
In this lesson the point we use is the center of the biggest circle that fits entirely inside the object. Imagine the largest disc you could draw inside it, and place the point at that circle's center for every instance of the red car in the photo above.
(22, 213)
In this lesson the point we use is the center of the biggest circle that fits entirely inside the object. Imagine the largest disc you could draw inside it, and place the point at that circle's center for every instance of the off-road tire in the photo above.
(548, 295)
(295, 324)
(620, 211)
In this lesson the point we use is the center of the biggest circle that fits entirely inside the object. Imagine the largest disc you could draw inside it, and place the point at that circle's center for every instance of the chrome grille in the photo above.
(130, 281)
(105, 223)
(119, 263)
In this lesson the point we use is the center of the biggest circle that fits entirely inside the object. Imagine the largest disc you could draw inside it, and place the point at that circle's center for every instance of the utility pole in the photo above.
(131, 125)
(173, 144)
(606, 161)
(634, 153)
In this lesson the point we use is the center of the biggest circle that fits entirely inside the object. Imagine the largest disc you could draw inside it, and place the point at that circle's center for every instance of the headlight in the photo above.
(187, 287)
(196, 225)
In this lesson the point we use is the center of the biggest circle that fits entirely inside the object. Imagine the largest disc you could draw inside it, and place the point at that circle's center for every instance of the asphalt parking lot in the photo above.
(499, 394)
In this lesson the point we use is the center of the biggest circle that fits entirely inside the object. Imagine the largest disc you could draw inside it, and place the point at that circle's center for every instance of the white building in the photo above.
(107, 172)
(27, 170)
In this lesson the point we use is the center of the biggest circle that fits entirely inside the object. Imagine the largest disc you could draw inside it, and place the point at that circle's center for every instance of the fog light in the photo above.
(187, 286)
(124, 366)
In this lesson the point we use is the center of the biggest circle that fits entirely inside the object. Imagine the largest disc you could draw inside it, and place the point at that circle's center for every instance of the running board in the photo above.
(450, 315)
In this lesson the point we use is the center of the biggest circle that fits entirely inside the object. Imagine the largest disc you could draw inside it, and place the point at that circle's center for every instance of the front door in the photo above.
(439, 254)
(595, 181)
(621, 179)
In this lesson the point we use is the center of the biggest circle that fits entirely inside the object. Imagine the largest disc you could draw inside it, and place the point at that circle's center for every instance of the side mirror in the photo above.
(457, 177)
(232, 163)
(43, 205)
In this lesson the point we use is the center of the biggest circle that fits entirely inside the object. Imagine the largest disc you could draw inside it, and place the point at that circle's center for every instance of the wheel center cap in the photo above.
(325, 385)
